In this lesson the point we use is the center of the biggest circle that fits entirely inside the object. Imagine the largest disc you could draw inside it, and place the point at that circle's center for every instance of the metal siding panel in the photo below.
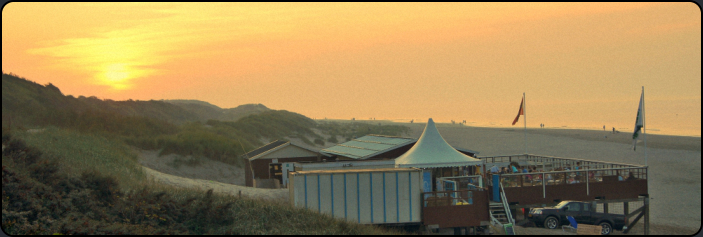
(390, 199)
(371, 191)
(323, 194)
(416, 182)
(410, 195)
(404, 201)
(339, 195)
(345, 197)
(364, 197)
(313, 201)
(296, 194)
(352, 203)
(397, 199)
(377, 198)
(385, 215)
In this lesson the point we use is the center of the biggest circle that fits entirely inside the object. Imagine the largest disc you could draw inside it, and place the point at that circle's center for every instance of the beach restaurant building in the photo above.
(452, 199)
(264, 163)
(376, 147)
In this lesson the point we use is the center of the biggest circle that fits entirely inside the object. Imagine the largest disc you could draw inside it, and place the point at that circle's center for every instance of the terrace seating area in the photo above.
(542, 180)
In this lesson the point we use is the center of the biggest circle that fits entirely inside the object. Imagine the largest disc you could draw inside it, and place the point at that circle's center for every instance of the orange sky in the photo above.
(580, 64)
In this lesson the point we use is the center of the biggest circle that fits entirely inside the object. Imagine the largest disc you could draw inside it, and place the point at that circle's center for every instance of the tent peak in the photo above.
(431, 150)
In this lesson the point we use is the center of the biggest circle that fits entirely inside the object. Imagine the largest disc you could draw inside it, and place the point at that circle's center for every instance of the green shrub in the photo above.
(319, 141)
(333, 139)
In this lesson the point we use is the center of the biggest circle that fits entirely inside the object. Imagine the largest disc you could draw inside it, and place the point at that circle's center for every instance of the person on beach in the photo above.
(613, 129)
(603, 127)
(495, 169)
(631, 176)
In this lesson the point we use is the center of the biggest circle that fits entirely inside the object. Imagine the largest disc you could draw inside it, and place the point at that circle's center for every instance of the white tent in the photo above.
(432, 151)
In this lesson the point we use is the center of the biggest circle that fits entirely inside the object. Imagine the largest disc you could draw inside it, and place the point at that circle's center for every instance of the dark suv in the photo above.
(583, 213)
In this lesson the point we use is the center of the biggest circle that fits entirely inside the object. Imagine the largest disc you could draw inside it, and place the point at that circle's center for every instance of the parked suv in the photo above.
(583, 213)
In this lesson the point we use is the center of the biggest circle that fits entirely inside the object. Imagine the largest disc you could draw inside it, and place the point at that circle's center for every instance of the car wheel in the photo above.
(551, 223)
(606, 228)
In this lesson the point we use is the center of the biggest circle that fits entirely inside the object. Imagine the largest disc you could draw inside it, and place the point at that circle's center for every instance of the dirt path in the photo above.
(208, 174)
(257, 193)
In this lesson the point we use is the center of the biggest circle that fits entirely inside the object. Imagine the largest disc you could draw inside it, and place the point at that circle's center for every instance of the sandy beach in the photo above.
(674, 161)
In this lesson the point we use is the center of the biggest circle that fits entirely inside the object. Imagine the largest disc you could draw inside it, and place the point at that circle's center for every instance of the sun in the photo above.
(116, 75)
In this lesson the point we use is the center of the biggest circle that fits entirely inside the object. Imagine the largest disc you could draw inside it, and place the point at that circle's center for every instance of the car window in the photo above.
(586, 206)
(561, 204)
(574, 206)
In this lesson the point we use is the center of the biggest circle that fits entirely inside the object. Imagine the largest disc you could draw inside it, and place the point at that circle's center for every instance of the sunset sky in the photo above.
(580, 64)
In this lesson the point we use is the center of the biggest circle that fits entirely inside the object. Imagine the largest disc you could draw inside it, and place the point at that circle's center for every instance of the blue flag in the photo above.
(638, 123)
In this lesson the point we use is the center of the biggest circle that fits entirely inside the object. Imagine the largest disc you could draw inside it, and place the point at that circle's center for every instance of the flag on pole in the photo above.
(638, 123)
(521, 112)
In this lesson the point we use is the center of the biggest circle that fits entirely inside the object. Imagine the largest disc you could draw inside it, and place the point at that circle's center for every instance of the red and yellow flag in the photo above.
(521, 112)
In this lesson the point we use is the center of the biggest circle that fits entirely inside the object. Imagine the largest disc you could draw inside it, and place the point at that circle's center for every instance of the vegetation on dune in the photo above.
(29, 103)
(40, 197)
(353, 130)
(75, 172)
(81, 152)
(174, 126)
(274, 124)
(206, 111)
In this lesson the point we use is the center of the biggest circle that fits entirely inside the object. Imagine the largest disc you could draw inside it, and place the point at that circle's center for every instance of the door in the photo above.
(573, 209)
(586, 217)
(451, 186)
(275, 172)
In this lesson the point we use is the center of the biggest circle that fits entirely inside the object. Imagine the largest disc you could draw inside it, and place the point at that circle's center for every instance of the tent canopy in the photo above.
(432, 151)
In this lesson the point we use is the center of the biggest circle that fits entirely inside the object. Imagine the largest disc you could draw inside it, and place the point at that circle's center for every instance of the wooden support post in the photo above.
(626, 209)
(629, 227)
(605, 207)
(646, 215)
(641, 213)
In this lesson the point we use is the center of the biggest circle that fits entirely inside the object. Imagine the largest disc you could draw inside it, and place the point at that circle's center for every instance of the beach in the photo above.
(674, 165)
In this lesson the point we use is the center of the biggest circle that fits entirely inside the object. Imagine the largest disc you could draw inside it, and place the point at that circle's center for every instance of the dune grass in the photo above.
(80, 152)
(62, 182)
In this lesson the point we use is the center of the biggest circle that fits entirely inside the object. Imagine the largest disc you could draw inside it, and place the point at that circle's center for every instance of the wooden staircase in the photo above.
(498, 212)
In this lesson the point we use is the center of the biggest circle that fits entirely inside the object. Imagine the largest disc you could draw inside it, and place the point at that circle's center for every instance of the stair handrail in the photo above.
(505, 204)
(495, 221)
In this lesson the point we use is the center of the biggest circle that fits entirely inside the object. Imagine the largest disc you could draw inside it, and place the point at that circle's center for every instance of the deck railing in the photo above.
(550, 162)
(449, 198)
(562, 171)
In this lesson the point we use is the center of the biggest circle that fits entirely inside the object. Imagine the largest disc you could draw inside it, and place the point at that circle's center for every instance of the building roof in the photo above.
(355, 171)
(465, 151)
(271, 147)
(367, 146)
(431, 150)
(264, 148)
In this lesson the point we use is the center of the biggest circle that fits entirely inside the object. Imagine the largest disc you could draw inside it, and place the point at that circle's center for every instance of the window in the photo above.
(586, 207)
(574, 206)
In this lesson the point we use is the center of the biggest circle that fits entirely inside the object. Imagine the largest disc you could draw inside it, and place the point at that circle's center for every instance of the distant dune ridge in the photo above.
(208, 111)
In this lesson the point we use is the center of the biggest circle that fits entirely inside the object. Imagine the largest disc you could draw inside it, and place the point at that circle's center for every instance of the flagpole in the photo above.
(524, 111)
(644, 128)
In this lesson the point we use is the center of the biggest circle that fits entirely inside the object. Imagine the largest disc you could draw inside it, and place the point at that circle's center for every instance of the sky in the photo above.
(580, 65)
